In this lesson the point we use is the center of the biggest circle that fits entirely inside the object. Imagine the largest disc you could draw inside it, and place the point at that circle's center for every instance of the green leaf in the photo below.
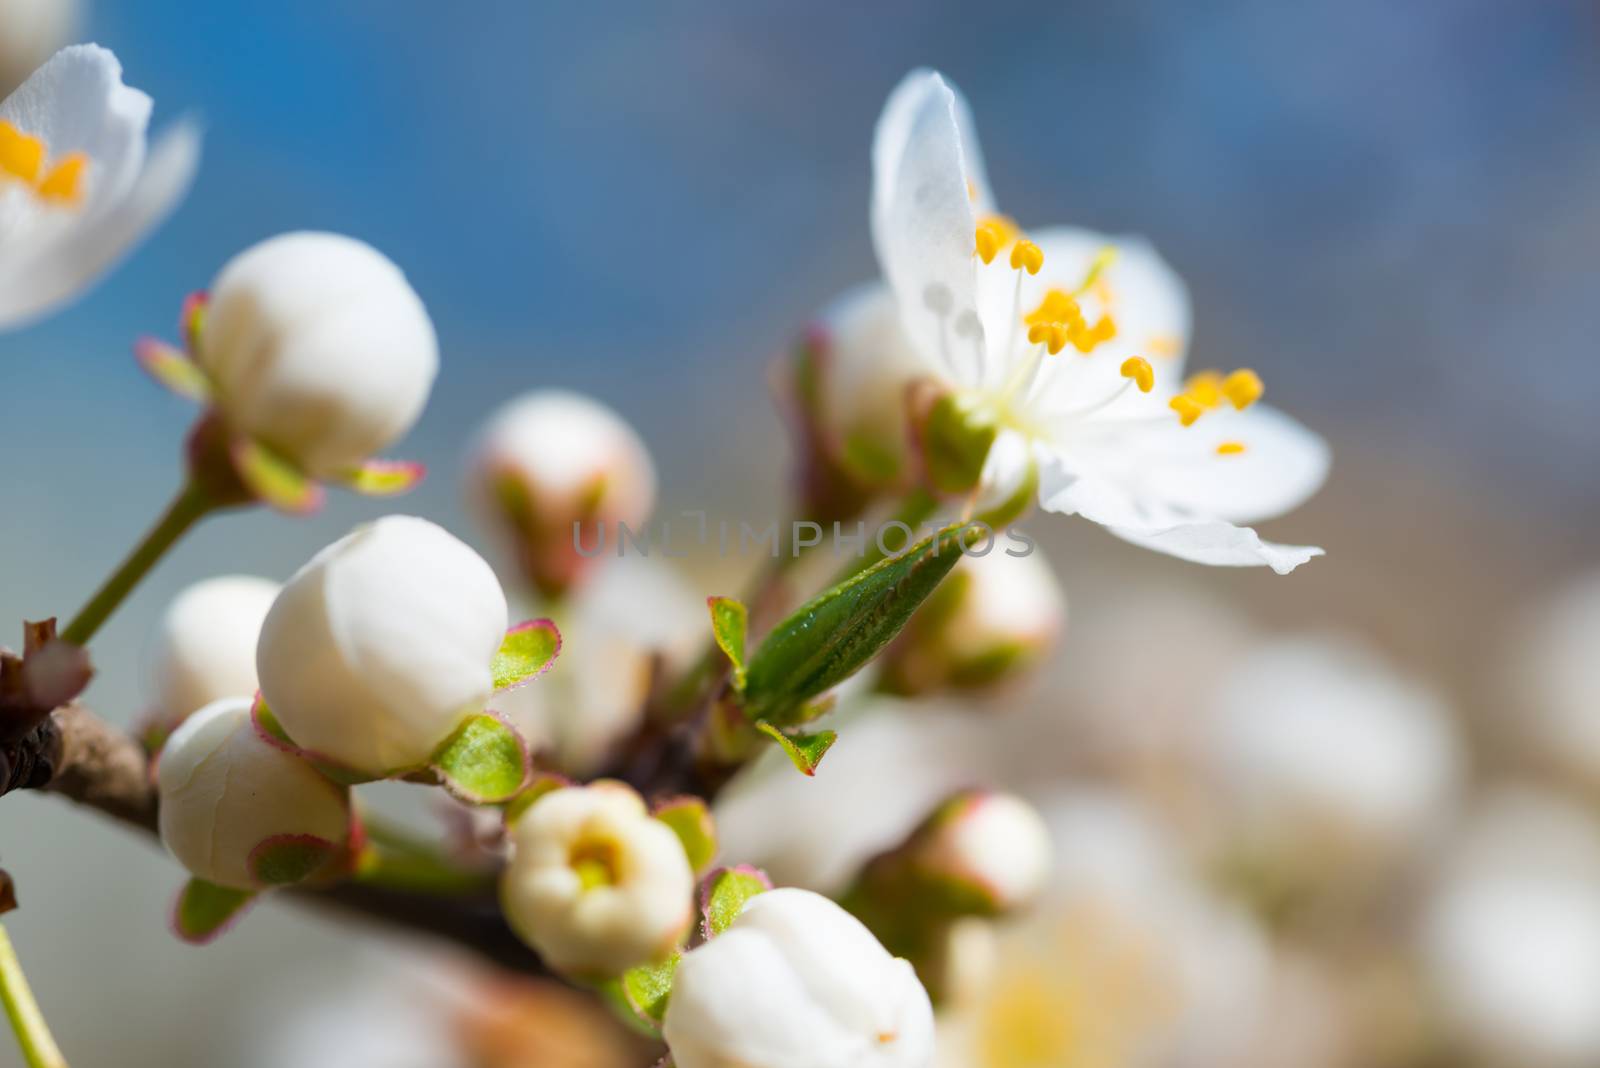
(723, 895)
(838, 633)
(691, 821)
(543, 783)
(204, 910)
(383, 478)
(484, 762)
(284, 859)
(526, 653)
(273, 480)
(729, 622)
(804, 750)
(171, 367)
(648, 987)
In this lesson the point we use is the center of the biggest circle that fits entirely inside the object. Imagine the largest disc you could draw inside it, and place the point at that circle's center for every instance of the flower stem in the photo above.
(39, 1049)
(187, 508)
(397, 860)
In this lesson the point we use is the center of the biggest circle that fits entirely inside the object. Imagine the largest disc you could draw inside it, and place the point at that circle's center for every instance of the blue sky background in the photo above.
(1392, 210)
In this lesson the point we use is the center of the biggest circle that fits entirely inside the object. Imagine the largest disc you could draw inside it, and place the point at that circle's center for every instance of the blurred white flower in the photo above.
(77, 187)
(991, 621)
(797, 982)
(225, 790)
(1323, 755)
(613, 628)
(1554, 680)
(317, 346)
(30, 32)
(595, 884)
(1511, 934)
(548, 461)
(993, 842)
(205, 646)
(380, 646)
(816, 832)
(1128, 961)
(1111, 428)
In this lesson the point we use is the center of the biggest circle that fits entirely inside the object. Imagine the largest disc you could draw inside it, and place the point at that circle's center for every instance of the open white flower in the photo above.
(1069, 346)
(380, 646)
(206, 644)
(596, 884)
(30, 32)
(797, 982)
(77, 186)
(317, 345)
(226, 792)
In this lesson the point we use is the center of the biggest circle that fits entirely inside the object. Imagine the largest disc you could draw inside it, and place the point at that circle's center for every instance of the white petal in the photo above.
(923, 221)
(1221, 544)
(38, 279)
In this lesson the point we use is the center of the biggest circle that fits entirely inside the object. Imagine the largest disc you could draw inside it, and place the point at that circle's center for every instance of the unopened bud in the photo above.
(595, 884)
(206, 644)
(993, 846)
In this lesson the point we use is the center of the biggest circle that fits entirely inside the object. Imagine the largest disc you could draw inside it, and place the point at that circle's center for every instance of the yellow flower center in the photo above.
(24, 158)
(596, 861)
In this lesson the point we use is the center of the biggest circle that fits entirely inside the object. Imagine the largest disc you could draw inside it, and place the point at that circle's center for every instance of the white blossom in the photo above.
(380, 646)
(797, 982)
(205, 645)
(317, 346)
(595, 884)
(226, 790)
(78, 184)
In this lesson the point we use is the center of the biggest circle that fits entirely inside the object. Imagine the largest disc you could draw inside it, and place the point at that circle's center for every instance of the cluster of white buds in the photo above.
(380, 646)
(229, 796)
(205, 646)
(796, 980)
(595, 883)
(554, 467)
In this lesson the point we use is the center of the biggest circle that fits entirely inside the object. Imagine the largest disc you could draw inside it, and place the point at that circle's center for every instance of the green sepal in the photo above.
(271, 731)
(954, 444)
(805, 751)
(838, 632)
(647, 989)
(172, 369)
(484, 762)
(723, 895)
(204, 910)
(274, 480)
(526, 652)
(383, 478)
(730, 620)
(285, 859)
(691, 821)
(542, 783)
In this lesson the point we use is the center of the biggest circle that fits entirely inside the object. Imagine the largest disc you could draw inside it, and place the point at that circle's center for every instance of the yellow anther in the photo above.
(1243, 388)
(1057, 306)
(994, 233)
(1138, 368)
(1164, 345)
(1097, 266)
(21, 156)
(1205, 388)
(1025, 255)
(65, 180)
(1187, 407)
(1230, 448)
(1053, 336)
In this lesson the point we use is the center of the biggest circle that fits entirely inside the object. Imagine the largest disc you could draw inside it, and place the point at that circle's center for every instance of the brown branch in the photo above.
(76, 754)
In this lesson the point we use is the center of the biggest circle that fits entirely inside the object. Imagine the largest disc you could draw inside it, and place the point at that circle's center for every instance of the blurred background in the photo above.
(1387, 209)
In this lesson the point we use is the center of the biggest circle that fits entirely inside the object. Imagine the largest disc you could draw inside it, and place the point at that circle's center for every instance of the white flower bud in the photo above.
(225, 790)
(995, 843)
(318, 347)
(595, 884)
(797, 982)
(380, 646)
(994, 618)
(1554, 681)
(206, 644)
(552, 459)
(30, 32)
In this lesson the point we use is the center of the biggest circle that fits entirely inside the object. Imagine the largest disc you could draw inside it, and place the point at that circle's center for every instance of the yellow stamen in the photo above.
(1058, 306)
(1053, 336)
(1164, 344)
(1187, 407)
(1243, 388)
(994, 233)
(21, 156)
(1205, 387)
(65, 180)
(1230, 448)
(1025, 255)
(1138, 368)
